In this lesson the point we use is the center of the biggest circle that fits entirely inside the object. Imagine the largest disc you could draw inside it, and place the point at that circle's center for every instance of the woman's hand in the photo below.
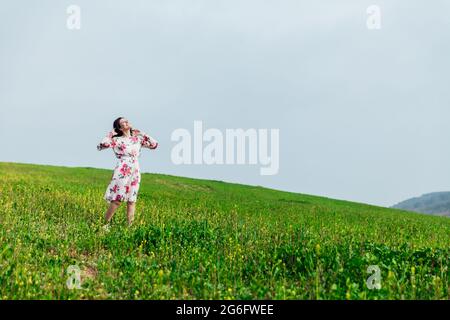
(102, 146)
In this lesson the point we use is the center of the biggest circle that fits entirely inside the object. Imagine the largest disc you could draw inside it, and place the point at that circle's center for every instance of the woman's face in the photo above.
(124, 124)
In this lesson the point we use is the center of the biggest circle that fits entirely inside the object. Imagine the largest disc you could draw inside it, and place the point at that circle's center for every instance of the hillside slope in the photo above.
(200, 239)
(437, 203)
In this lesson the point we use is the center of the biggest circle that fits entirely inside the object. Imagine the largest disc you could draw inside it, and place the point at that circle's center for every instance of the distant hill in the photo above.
(436, 203)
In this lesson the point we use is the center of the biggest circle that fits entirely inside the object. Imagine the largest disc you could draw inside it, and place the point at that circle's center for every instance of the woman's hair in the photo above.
(116, 127)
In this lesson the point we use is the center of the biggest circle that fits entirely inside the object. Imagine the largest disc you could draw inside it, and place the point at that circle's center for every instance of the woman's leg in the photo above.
(131, 207)
(112, 208)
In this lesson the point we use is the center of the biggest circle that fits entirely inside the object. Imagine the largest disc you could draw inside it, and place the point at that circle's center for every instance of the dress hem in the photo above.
(122, 200)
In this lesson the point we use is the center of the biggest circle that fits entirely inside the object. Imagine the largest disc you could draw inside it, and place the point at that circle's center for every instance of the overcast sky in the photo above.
(363, 114)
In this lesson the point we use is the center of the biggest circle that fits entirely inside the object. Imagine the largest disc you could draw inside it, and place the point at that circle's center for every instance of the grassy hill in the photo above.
(201, 239)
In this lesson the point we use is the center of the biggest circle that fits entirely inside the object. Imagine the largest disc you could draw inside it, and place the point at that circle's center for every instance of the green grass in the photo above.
(202, 239)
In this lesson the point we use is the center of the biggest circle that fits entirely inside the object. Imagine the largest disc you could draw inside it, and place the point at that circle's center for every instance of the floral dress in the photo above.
(125, 180)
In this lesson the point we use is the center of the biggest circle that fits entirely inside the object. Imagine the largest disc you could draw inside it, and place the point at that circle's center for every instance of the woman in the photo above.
(126, 143)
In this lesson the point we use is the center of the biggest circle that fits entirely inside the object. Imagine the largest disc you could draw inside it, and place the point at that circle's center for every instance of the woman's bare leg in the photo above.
(112, 208)
(131, 207)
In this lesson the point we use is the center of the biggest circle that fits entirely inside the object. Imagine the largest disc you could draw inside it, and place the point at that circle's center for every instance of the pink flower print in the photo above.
(127, 189)
(134, 139)
(113, 143)
(134, 182)
(115, 188)
(118, 197)
(125, 170)
(122, 147)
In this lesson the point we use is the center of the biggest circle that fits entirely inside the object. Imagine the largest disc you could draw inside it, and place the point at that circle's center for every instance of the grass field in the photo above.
(201, 239)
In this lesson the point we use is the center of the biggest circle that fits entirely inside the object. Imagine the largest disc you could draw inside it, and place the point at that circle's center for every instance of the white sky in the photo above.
(363, 114)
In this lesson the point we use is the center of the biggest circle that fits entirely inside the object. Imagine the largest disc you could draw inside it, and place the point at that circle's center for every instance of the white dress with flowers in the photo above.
(125, 180)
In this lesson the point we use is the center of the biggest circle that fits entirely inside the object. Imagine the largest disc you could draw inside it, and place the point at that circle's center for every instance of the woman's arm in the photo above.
(146, 140)
(107, 142)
